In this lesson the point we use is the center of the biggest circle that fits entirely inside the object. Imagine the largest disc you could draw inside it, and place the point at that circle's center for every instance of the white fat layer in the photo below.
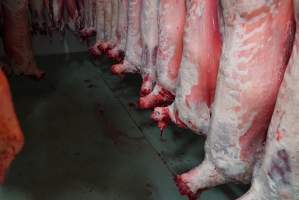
(228, 126)
(171, 22)
(100, 20)
(149, 35)
(133, 47)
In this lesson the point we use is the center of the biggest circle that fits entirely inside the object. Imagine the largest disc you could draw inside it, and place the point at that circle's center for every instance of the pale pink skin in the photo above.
(117, 52)
(276, 177)
(257, 38)
(17, 39)
(132, 60)
(169, 53)
(196, 82)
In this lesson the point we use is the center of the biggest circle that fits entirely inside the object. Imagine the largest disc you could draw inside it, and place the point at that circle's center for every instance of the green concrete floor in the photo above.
(85, 140)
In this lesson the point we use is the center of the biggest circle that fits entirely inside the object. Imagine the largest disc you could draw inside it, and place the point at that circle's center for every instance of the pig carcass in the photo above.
(39, 16)
(56, 8)
(276, 177)
(88, 18)
(17, 38)
(11, 136)
(73, 14)
(196, 83)
(100, 28)
(133, 53)
(169, 53)
(112, 42)
(171, 31)
(257, 42)
(117, 53)
(149, 38)
(108, 16)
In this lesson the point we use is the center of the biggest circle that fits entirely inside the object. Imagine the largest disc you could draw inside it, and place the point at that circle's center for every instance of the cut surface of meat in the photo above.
(256, 47)
(11, 136)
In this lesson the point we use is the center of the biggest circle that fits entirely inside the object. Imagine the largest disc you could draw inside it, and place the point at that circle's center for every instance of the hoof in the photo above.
(117, 69)
(147, 86)
(104, 47)
(160, 97)
(94, 52)
(161, 116)
(142, 103)
(39, 76)
(116, 55)
(184, 189)
(113, 54)
(85, 34)
(145, 91)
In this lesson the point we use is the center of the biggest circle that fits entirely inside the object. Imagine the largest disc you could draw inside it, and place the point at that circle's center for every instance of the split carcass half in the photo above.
(149, 38)
(112, 42)
(117, 53)
(108, 16)
(17, 38)
(56, 8)
(196, 83)
(73, 15)
(257, 40)
(276, 177)
(88, 18)
(100, 28)
(169, 53)
(39, 16)
(132, 60)
(11, 136)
